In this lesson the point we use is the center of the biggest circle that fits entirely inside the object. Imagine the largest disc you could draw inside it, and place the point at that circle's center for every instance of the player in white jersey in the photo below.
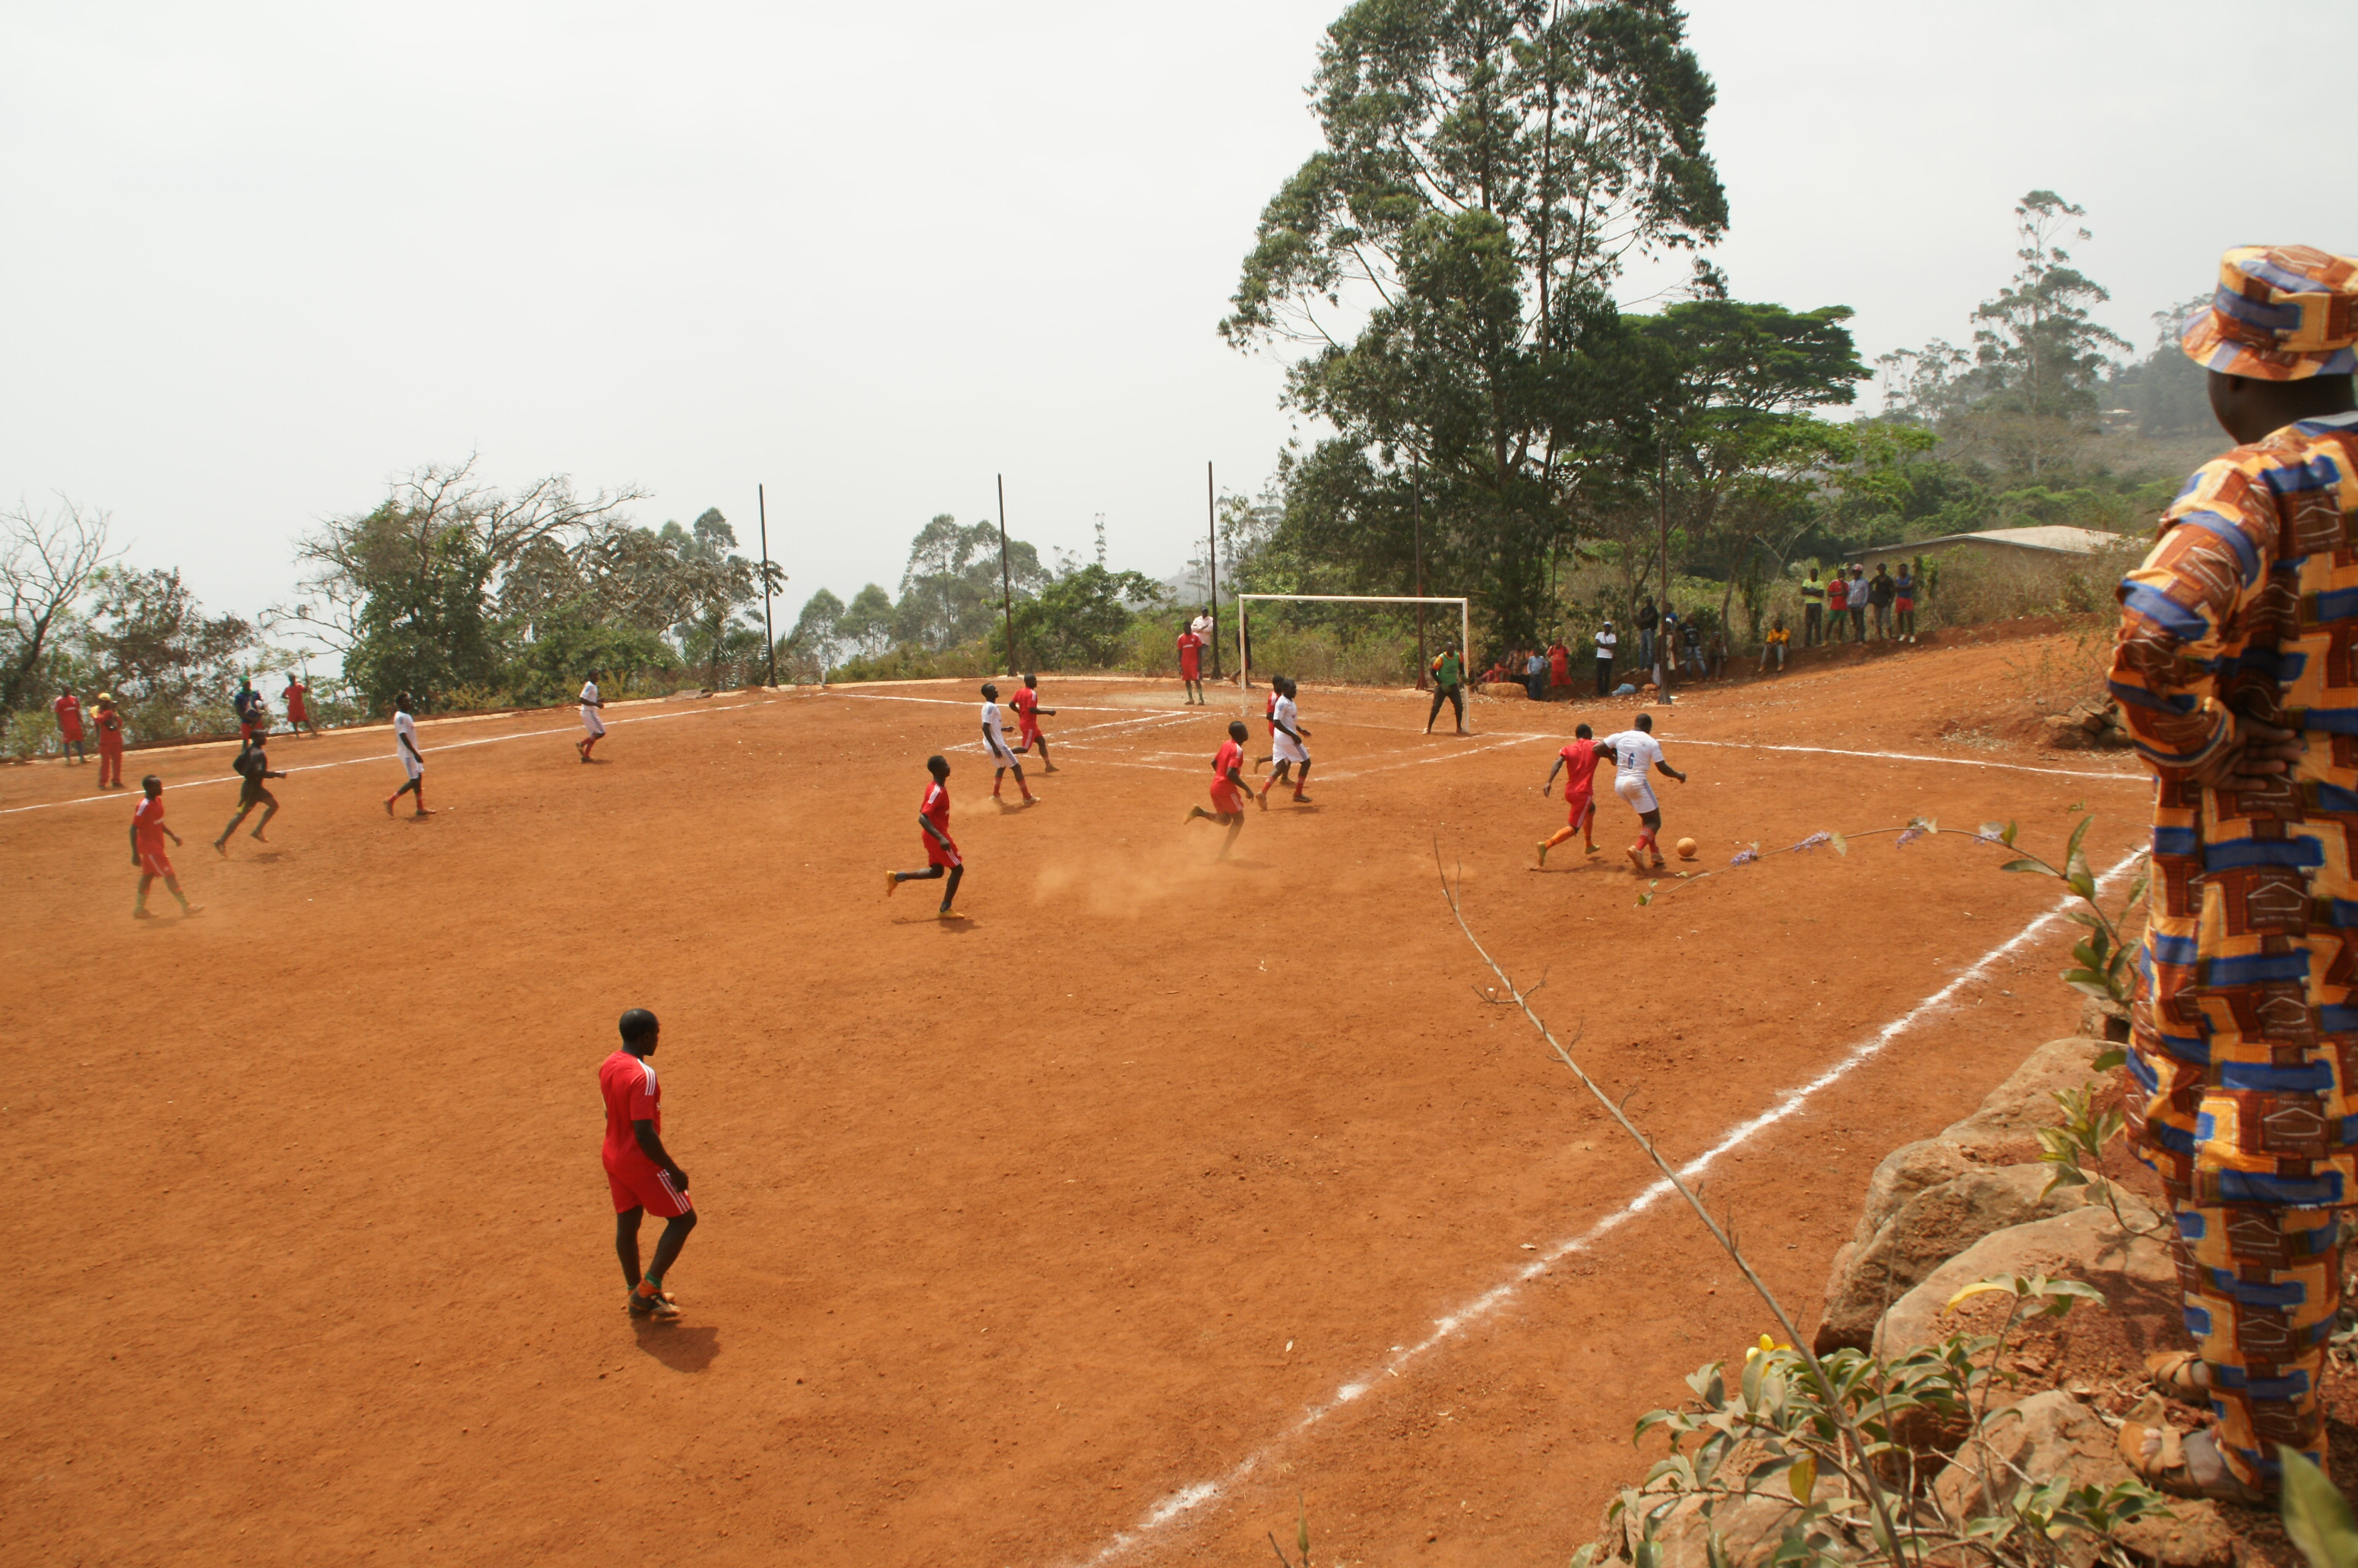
(994, 743)
(404, 746)
(1285, 740)
(1635, 753)
(590, 720)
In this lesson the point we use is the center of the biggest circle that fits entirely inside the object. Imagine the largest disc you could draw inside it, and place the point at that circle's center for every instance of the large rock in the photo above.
(2005, 1128)
(1506, 689)
(1748, 1527)
(1905, 1172)
(2133, 1269)
(1929, 1227)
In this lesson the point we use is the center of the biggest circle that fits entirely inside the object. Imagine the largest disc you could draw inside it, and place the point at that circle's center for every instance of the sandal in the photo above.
(2180, 1374)
(2184, 1466)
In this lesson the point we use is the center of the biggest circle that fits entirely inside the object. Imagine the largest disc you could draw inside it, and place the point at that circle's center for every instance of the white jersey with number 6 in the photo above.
(1635, 753)
(1287, 748)
(1002, 755)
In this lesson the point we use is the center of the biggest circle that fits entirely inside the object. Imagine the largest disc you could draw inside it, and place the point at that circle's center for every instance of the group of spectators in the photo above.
(1892, 600)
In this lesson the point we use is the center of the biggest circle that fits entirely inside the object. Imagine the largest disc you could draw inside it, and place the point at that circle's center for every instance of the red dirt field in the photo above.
(1013, 1230)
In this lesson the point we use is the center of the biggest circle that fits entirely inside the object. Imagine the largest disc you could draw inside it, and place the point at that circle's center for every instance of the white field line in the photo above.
(1175, 1507)
(380, 757)
(964, 702)
(1919, 757)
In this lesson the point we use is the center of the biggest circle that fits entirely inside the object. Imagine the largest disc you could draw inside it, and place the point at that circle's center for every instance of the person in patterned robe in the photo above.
(2234, 673)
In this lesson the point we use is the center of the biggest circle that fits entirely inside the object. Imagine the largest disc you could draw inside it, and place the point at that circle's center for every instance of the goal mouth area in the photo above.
(1360, 639)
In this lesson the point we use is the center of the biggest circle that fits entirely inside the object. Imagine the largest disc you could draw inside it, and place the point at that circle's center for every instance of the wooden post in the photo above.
(769, 633)
(1006, 591)
(1212, 567)
(1416, 502)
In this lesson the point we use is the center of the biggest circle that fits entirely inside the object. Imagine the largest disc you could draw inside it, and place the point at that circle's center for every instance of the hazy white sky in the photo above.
(259, 258)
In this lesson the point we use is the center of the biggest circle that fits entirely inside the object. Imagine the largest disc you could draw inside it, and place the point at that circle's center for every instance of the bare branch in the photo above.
(47, 559)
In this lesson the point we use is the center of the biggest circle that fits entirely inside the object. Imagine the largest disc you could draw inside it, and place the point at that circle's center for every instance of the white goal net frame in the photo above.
(1465, 622)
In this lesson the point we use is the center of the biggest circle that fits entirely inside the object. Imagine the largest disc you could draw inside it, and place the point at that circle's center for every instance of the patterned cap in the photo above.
(2282, 313)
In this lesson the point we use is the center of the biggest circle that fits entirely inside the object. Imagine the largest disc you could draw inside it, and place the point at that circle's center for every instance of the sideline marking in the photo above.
(354, 762)
(1175, 1507)
(1911, 757)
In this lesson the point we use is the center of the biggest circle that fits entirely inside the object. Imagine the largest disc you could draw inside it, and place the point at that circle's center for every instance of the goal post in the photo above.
(1464, 622)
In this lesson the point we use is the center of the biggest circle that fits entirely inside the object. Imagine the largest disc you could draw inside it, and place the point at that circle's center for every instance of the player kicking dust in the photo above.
(1028, 710)
(1285, 740)
(1582, 756)
(1002, 755)
(1229, 789)
(942, 856)
(1634, 751)
(639, 1170)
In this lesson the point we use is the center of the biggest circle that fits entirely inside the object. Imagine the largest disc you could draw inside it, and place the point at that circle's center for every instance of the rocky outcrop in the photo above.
(2133, 1269)
(2006, 1129)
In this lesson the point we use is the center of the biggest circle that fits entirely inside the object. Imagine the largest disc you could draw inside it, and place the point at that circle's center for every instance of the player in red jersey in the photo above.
(639, 1170)
(1229, 791)
(1582, 756)
(1026, 704)
(942, 857)
(1190, 664)
(67, 707)
(147, 835)
(110, 743)
(1268, 716)
(299, 717)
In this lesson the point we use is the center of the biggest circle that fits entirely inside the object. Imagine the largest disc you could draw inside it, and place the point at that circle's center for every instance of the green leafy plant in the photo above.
(2316, 1514)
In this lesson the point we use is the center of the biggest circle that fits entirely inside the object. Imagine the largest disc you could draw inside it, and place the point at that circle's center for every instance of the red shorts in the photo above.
(937, 856)
(1190, 671)
(647, 1185)
(1579, 806)
(154, 864)
(1031, 732)
(1224, 798)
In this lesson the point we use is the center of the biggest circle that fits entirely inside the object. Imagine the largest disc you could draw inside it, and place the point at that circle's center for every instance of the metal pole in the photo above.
(1662, 515)
(1417, 502)
(1006, 591)
(769, 632)
(1212, 575)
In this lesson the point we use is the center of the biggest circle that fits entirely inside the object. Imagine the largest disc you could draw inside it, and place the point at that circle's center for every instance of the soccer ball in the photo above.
(1686, 848)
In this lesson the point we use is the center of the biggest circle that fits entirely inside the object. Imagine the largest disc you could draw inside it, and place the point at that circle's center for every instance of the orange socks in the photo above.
(1560, 835)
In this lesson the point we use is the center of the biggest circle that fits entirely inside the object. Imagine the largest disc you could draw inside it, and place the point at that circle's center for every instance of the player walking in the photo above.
(147, 835)
(639, 1169)
(110, 743)
(298, 716)
(1582, 756)
(1190, 664)
(591, 720)
(253, 766)
(404, 741)
(1634, 751)
(1002, 755)
(942, 855)
(67, 707)
(1229, 789)
(1026, 704)
(1285, 738)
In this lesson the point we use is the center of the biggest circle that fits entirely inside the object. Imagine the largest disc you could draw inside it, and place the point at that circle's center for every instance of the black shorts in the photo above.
(253, 794)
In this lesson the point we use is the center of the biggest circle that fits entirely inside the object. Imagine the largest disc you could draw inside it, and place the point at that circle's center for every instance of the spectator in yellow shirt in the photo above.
(1774, 645)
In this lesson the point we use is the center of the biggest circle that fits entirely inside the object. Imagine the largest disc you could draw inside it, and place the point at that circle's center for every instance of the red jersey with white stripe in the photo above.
(1580, 759)
(1191, 651)
(936, 810)
(1026, 704)
(1231, 755)
(1269, 712)
(148, 815)
(633, 1094)
(68, 711)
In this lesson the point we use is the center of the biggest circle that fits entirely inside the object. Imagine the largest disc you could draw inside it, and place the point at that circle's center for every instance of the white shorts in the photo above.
(1004, 759)
(1288, 750)
(1638, 793)
(415, 767)
(592, 723)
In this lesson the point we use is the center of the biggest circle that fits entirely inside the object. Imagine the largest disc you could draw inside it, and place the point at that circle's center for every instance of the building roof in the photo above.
(2055, 538)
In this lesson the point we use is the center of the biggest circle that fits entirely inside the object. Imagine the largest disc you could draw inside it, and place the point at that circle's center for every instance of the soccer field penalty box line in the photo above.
(1244, 641)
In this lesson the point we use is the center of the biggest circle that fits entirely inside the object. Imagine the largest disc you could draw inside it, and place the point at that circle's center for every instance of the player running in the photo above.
(251, 713)
(592, 721)
(405, 742)
(1002, 755)
(110, 743)
(1635, 750)
(1229, 789)
(1582, 756)
(1190, 664)
(1026, 704)
(1285, 738)
(942, 857)
(67, 707)
(147, 835)
(252, 767)
(639, 1170)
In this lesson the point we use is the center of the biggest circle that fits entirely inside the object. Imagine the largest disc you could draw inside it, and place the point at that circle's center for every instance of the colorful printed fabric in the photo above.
(2246, 1029)
(2263, 1289)
(2282, 313)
